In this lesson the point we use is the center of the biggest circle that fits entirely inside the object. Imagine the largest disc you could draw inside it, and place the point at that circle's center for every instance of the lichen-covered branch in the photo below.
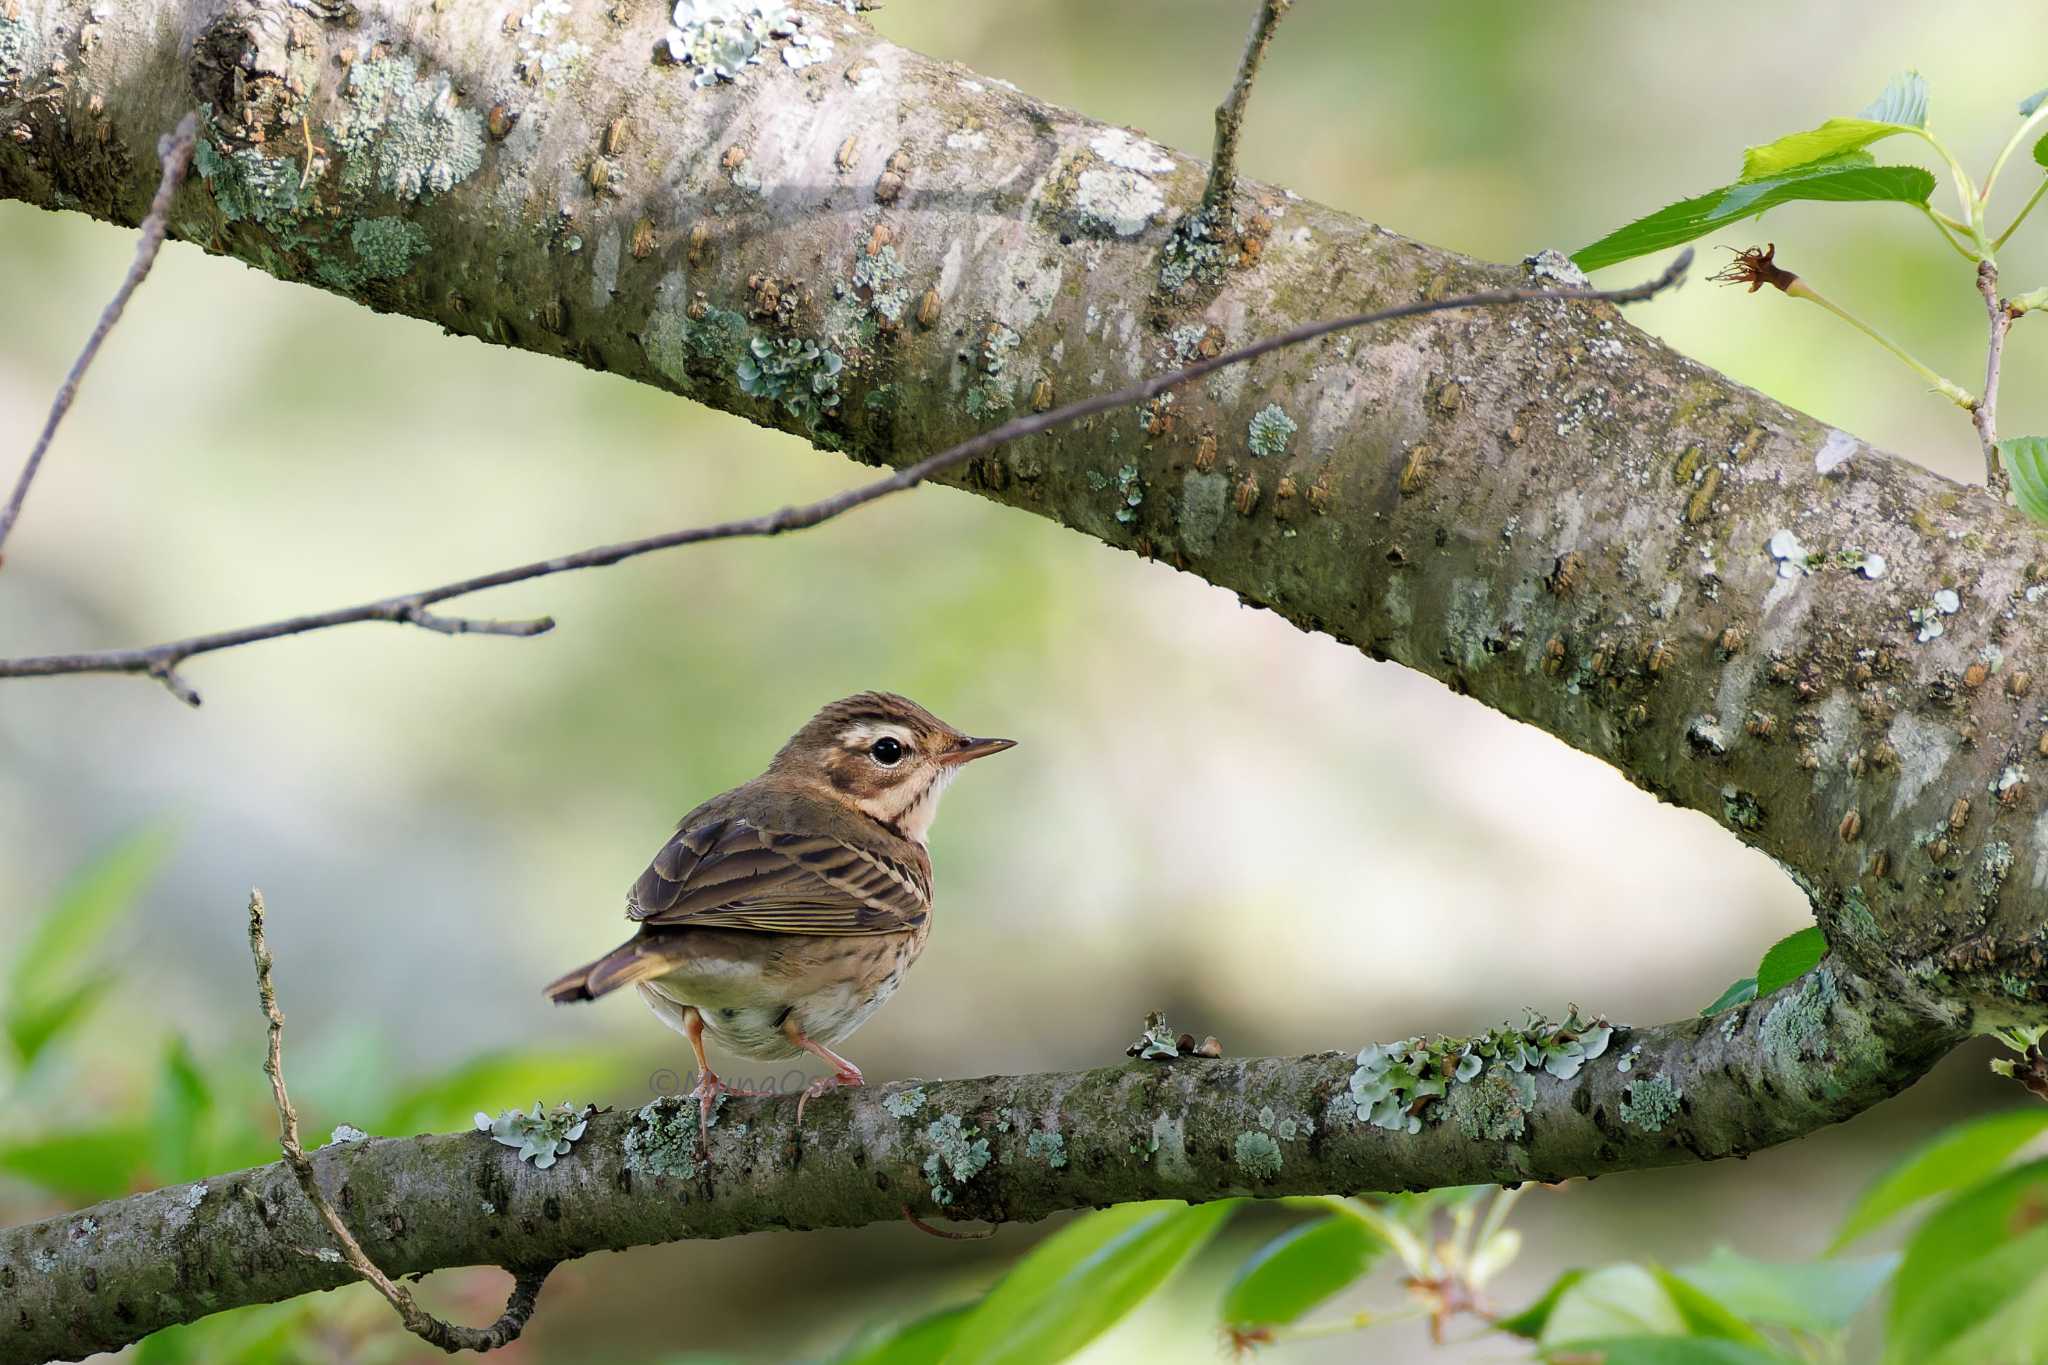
(1001, 1149)
(163, 661)
(1827, 649)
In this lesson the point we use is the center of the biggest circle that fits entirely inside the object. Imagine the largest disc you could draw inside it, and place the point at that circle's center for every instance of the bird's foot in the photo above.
(847, 1074)
(709, 1091)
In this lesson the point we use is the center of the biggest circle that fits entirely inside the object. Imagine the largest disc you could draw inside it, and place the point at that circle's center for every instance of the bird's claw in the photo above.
(850, 1076)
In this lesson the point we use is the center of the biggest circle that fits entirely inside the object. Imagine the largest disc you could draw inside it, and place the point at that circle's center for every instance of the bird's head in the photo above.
(884, 755)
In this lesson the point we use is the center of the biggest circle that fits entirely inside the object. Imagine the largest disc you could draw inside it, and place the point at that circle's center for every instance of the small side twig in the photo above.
(161, 661)
(1984, 414)
(1230, 113)
(447, 1336)
(175, 151)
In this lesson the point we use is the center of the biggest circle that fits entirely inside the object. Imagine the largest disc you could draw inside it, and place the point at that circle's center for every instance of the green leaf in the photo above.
(1969, 1228)
(921, 1341)
(1741, 993)
(1077, 1283)
(1614, 1301)
(2033, 102)
(1962, 1156)
(1902, 108)
(1653, 1350)
(2041, 152)
(1790, 958)
(1851, 178)
(2026, 459)
(1818, 1297)
(184, 1100)
(45, 983)
(1299, 1269)
(81, 1167)
(1992, 1308)
(1705, 1315)
(1530, 1321)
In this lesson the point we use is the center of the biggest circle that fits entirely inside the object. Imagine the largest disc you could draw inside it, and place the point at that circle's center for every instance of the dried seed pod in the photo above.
(1320, 493)
(1041, 394)
(700, 239)
(1959, 815)
(848, 150)
(2020, 683)
(735, 157)
(1553, 655)
(1564, 573)
(1730, 642)
(1851, 827)
(615, 135)
(643, 239)
(1761, 724)
(1205, 460)
(882, 236)
(929, 308)
(1880, 862)
(1246, 496)
(1974, 676)
(1415, 470)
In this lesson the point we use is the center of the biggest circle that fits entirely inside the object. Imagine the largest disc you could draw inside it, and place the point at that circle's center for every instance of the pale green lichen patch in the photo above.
(543, 1136)
(1650, 1103)
(903, 1104)
(1130, 493)
(1492, 1107)
(1051, 1148)
(958, 1155)
(664, 1140)
(719, 38)
(405, 133)
(1807, 1030)
(1399, 1085)
(384, 248)
(249, 185)
(1204, 507)
(675, 342)
(19, 43)
(878, 275)
(795, 371)
(547, 58)
(1271, 428)
(1257, 1155)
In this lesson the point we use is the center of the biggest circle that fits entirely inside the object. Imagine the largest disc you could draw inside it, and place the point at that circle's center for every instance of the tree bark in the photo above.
(1827, 649)
(1193, 1129)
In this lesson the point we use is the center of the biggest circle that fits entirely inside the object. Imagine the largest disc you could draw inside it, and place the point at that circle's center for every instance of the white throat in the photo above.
(913, 818)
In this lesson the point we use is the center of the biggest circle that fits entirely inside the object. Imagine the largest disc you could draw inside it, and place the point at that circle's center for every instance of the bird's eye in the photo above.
(887, 751)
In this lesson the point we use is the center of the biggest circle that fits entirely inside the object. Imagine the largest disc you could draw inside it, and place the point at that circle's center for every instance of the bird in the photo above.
(784, 912)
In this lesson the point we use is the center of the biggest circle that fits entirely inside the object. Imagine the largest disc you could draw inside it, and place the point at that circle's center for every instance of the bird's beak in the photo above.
(970, 748)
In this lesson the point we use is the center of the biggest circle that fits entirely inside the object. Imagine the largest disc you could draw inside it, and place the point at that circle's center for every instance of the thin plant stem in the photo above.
(1955, 393)
(2025, 209)
(2033, 121)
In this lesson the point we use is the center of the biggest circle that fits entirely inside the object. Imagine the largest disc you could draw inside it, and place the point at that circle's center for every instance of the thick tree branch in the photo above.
(1701, 1089)
(162, 661)
(174, 152)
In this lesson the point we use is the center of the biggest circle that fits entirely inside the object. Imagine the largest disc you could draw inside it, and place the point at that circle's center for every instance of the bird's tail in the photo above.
(634, 960)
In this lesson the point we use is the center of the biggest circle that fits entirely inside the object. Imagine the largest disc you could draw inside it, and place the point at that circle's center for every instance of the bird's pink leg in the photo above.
(843, 1071)
(709, 1087)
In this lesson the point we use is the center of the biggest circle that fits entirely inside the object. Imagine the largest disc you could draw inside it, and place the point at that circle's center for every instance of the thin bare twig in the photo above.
(161, 661)
(422, 1324)
(1230, 113)
(1984, 413)
(175, 151)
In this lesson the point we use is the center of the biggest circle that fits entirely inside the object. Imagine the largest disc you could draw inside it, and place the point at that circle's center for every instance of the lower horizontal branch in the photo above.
(1000, 1149)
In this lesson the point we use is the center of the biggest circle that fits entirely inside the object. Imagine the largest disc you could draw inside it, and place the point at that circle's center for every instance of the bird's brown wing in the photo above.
(732, 874)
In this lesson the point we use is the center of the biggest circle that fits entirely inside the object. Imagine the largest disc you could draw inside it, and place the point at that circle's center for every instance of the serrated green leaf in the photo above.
(1960, 1157)
(2041, 152)
(1652, 1350)
(921, 1341)
(1530, 1321)
(1741, 993)
(1902, 108)
(1080, 1281)
(1831, 139)
(1851, 178)
(2026, 460)
(1819, 1297)
(1790, 958)
(1967, 1229)
(1299, 1269)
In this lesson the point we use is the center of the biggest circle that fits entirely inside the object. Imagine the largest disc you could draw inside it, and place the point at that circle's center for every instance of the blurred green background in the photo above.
(442, 825)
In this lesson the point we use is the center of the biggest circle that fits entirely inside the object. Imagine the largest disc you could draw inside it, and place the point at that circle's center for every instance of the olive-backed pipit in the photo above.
(783, 912)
